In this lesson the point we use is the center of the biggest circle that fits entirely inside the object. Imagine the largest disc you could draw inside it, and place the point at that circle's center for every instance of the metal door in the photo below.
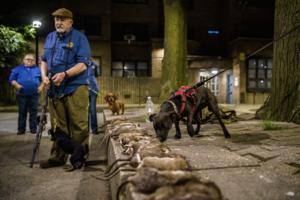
(229, 97)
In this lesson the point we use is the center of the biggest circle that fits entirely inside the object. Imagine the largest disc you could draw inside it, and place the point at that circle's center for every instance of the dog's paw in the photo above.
(69, 168)
(190, 131)
(78, 165)
(177, 137)
(198, 135)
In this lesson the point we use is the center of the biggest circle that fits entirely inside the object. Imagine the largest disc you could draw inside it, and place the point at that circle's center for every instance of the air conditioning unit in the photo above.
(129, 38)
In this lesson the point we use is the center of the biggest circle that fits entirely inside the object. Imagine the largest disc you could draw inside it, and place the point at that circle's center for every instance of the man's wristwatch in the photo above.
(66, 74)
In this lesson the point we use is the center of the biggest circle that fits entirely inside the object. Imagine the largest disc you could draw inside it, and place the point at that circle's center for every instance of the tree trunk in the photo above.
(284, 101)
(174, 72)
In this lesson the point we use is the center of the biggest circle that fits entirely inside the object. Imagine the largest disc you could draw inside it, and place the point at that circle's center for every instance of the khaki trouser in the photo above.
(70, 114)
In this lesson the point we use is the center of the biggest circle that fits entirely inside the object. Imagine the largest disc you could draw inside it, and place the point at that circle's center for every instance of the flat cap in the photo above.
(62, 12)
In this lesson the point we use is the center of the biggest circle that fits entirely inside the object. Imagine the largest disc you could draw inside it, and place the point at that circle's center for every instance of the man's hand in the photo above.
(40, 88)
(58, 78)
(17, 85)
(45, 80)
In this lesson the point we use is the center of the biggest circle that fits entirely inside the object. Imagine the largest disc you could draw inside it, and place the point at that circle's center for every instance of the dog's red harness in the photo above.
(185, 92)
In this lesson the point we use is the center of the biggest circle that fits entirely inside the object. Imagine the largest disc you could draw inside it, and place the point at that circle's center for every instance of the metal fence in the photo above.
(129, 90)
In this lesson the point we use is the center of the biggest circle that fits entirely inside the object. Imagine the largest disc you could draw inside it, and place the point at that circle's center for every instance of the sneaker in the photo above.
(50, 163)
(20, 132)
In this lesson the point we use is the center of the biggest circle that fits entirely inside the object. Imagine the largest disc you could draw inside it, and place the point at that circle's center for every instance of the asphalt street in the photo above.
(18, 181)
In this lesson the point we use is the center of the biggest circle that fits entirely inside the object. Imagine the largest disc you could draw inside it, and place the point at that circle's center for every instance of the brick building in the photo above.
(126, 38)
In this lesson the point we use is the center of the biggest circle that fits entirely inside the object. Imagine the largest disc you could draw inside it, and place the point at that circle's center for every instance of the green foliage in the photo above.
(269, 126)
(28, 31)
(13, 43)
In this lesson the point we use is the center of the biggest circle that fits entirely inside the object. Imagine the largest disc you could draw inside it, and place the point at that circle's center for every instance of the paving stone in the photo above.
(261, 154)
(251, 183)
(271, 147)
(210, 157)
(235, 147)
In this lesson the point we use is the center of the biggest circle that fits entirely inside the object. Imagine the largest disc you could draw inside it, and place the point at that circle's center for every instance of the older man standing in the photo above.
(66, 57)
(26, 79)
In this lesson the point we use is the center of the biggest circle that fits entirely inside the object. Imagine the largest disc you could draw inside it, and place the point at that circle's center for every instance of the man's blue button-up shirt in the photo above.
(62, 53)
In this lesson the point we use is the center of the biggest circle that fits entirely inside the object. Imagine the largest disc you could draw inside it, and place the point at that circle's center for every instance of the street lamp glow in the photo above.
(36, 24)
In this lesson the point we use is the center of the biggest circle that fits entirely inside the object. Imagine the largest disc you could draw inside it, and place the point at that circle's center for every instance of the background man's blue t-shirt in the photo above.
(28, 77)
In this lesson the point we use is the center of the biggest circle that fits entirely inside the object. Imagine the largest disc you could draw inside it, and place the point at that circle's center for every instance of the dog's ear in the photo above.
(115, 97)
(151, 117)
(51, 133)
(106, 98)
(172, 94)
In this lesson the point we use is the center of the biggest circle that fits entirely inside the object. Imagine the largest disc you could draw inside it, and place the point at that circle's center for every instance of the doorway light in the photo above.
(214, 71)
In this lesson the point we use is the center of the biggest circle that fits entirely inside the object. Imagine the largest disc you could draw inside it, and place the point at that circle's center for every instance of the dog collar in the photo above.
(174, 106)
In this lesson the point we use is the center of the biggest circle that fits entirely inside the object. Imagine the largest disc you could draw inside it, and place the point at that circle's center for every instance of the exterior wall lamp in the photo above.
(36, 24)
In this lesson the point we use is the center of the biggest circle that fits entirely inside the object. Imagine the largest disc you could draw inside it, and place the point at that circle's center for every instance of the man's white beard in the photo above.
(60, 30)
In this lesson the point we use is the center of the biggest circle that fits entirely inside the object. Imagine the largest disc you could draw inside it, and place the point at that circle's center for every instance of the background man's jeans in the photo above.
(27, 104)
(93, 111)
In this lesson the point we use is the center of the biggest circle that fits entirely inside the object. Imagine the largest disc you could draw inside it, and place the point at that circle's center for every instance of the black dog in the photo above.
(202, 97)
(70, 146)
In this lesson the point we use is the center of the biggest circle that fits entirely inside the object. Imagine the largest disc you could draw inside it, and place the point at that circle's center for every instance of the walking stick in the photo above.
(42, 121)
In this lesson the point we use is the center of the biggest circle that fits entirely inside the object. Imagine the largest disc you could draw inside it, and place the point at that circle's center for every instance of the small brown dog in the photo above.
(114, 104)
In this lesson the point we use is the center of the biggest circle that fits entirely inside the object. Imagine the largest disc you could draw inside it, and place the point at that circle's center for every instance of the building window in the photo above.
(266, 4)
(130, 69)
(90, 25)
(138, 30)
(188, 4)
(259, 74)
(213, 84)
(131, 1)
